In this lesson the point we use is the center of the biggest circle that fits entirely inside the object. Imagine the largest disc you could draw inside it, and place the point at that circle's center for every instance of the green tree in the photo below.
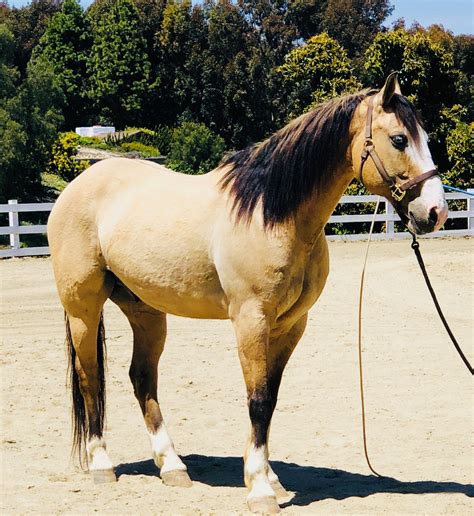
(272, 22)
(29, 120)
(464, 59)
(28, 25)
(462, 50)
(307, 16)
(247, 101)
(66, 45)
(118, 66)
(10, 138)
(317, 71)
(354, 23)
(181, 46)
(8, 75)
(229, 35)
(453, 137)
(151, 17)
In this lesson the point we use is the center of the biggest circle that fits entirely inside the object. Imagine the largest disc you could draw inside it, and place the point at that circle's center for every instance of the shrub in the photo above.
(91, 141)
(163, 139)
(145, 151)
(63, 163)
(195, 149)
(460, 150)
(134, 135)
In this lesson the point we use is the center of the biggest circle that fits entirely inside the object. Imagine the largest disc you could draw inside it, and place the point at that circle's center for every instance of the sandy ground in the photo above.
(419, 399)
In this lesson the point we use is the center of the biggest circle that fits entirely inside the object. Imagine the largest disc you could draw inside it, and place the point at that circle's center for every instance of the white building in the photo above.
(95, 130)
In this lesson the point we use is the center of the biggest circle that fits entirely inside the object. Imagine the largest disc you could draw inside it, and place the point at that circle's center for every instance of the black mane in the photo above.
(284, 170)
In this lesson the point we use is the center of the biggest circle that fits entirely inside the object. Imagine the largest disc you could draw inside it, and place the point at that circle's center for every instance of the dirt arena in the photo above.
(419, 399)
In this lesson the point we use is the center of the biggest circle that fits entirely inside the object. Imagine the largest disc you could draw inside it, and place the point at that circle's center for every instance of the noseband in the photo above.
(397, 188)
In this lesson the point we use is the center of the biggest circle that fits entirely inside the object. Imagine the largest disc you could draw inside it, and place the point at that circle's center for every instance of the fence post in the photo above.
(470, 208)
(13, 222)
(389, 224)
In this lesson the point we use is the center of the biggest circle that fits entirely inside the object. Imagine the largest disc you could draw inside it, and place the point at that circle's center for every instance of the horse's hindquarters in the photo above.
(158, 242)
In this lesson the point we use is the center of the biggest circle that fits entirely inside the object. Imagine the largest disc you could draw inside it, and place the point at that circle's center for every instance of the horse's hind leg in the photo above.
(85, 336)
(149, 334)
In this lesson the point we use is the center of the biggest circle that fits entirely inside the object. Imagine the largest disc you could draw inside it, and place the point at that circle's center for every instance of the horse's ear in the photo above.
(391, 87)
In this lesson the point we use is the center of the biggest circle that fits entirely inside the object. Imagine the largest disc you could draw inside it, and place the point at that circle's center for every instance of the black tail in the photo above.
(79, 414)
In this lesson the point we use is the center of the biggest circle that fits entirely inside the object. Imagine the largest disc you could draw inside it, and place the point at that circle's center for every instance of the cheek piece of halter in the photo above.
(397, 189)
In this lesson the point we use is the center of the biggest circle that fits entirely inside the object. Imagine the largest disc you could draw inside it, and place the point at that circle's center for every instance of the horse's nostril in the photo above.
(433, 215)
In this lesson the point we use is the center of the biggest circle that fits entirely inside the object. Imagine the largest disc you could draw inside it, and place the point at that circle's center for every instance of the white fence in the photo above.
(389, 217)
(15, 229)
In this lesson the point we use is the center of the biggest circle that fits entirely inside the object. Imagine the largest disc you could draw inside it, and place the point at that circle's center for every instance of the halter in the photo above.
(397, 188)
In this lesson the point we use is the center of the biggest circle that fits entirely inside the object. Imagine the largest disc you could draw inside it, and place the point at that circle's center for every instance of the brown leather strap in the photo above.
(418, 179)
(379, 165)
(368, 120)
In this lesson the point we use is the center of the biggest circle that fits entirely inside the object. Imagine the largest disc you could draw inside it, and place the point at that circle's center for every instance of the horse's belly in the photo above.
(200, 302)
(181, 286)
(195, 305)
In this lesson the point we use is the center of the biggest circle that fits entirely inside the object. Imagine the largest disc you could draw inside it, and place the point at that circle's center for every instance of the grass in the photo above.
(53, 183)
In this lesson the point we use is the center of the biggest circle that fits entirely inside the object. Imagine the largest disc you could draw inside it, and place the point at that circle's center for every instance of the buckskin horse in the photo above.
(243, 242)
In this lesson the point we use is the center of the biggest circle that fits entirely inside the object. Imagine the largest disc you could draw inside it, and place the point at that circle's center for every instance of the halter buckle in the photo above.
(397, 193)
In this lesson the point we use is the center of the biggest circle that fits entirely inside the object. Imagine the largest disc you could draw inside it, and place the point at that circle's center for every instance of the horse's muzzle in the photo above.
(422, 220)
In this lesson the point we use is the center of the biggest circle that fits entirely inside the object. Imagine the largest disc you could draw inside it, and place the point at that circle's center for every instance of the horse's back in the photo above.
(118, 185)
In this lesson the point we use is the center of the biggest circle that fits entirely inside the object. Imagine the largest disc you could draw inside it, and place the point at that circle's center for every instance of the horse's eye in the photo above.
(399, 141)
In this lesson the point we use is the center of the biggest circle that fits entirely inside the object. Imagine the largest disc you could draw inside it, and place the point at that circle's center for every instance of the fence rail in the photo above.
(389, 217)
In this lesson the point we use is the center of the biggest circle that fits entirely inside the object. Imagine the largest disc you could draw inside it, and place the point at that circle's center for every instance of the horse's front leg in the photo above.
(263, 353)
(282, 342)
(252, 331)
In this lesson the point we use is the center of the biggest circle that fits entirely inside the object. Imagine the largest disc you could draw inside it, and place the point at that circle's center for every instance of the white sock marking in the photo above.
(98, 458)
(256, 473)
(163, 450)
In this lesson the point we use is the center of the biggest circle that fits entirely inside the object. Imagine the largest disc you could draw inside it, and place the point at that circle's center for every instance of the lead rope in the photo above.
(416, 248)
(361, 377)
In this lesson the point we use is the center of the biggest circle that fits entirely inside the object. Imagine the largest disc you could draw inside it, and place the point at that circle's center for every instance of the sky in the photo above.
(455, 15)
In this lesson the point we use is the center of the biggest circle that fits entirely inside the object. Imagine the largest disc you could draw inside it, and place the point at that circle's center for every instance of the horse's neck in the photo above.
(313, 215)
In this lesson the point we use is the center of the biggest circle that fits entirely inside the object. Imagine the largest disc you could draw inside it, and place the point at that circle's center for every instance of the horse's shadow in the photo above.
(309, 484)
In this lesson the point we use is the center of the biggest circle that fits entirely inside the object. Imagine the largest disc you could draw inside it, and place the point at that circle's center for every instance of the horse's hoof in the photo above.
(281, 493)
(103, 476)
(264, 504)
(176, 478)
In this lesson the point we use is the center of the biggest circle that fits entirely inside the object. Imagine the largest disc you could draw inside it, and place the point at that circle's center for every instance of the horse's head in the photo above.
(391, 157)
